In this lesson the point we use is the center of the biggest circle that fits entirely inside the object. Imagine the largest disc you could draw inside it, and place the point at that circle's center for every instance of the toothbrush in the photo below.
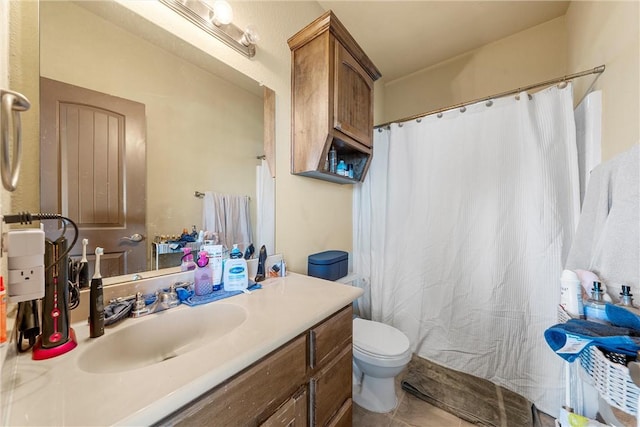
(96, 272)
(83, 268)
(96, 303)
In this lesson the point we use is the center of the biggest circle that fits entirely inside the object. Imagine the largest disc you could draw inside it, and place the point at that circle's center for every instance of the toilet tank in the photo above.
(329, 265)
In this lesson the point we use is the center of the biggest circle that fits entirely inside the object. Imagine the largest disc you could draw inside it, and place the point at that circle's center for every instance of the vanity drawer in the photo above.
(330, 337)
(344, 417)
(330, 389)
(253, 394)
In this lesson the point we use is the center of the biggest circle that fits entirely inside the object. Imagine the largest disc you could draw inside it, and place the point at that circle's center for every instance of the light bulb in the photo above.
(250, 36)
(222, 13)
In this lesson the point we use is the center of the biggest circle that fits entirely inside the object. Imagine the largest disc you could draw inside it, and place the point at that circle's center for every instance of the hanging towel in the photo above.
(569, 339)
(238, 221)
(607, 239)
(229, 216)
(213, 213)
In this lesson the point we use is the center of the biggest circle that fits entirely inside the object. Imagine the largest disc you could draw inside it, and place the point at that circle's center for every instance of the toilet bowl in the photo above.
(380, 352)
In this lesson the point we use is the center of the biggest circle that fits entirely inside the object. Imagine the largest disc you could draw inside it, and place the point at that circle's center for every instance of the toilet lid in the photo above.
(378, 338)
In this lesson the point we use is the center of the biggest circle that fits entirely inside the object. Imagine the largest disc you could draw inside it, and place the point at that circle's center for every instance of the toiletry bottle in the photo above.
(202, 277)
(626, 300)
(96, 300)
(3, 313)
(350, 170)
(236, 276)
(571, 294)
(187, 260)
(342, 168)
(333, 160)
(595, 308)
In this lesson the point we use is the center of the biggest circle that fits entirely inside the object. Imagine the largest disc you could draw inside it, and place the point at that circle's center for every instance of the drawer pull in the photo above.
(312, 349)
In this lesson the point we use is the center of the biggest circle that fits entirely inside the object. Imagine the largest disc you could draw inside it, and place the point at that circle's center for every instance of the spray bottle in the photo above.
(187, 260)
(96, 302)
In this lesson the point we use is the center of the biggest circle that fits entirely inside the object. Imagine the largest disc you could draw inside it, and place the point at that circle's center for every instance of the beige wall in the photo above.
(530, 56)
(203, 133)
(608, 33)
(23, 77)
(311, 215)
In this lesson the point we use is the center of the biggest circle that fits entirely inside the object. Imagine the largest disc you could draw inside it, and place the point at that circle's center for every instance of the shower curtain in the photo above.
(462, 228)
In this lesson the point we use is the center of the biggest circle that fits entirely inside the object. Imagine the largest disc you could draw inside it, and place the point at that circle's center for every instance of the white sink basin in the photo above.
(149, 340)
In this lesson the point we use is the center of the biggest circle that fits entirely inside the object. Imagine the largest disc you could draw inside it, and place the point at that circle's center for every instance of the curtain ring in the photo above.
(489, 103)
(529, 96)
(400, 125)
(379, 130)
(439, 115)
(418, 120)
(518, 97)
(463, 109)
(562, 85)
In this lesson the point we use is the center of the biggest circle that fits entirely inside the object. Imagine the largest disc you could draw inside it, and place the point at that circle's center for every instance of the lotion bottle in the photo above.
(236, 276)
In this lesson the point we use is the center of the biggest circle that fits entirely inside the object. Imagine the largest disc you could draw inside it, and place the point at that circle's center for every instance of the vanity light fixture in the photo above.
(215, 17)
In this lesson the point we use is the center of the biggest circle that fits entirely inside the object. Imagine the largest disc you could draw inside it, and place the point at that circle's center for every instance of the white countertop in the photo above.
(57, 392)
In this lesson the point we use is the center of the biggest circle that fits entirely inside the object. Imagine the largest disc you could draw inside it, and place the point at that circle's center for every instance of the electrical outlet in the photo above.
(25, 262)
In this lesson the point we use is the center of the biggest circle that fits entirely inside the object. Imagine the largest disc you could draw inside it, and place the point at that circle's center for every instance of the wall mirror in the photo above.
(202, 125)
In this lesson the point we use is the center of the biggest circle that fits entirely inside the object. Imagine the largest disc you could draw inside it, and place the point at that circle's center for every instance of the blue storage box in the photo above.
(330, 265)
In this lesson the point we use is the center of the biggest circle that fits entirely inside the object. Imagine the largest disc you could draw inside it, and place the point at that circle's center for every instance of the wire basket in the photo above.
(610, 374)
(611, 379)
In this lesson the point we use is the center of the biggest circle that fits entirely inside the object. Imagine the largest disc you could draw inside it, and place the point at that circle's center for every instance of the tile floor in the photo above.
(411, 411)
(415, 412)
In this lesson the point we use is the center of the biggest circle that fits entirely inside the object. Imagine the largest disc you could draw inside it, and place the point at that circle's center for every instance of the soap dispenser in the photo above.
(203, 275)
(595, 307)
(626, 300)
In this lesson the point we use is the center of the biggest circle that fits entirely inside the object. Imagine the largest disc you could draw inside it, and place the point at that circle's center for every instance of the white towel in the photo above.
(607, 240)
(229, 216)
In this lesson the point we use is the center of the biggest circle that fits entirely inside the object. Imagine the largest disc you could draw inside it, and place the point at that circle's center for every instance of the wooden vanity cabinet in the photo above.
(305, 382)
(330, 361)
(332, 100)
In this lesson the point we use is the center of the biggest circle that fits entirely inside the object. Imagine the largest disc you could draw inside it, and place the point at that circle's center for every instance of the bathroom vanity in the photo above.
(314, 367)
(279, 354)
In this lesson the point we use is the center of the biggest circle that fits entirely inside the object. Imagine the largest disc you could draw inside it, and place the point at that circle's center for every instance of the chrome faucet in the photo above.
(164, 301)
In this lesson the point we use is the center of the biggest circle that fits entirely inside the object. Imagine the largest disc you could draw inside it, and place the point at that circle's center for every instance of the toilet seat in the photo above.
(380, 341)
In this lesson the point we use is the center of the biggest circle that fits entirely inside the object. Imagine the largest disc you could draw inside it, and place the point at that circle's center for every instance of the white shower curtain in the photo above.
(266, 218)
(462, 228)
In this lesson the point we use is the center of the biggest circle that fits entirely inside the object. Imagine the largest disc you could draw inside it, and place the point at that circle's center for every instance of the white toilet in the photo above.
(380, 352)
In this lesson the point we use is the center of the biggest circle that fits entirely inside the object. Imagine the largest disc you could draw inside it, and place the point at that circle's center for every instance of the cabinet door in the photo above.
(330, 389)
(344, 417)
(293, 413)
(330, 337)
(251, 395)
(353, 98)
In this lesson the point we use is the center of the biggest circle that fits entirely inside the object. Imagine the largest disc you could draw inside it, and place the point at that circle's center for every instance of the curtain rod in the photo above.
(596, 70)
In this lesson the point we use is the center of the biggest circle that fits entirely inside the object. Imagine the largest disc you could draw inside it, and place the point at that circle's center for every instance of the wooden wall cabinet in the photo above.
(332, 100)
(305, 382)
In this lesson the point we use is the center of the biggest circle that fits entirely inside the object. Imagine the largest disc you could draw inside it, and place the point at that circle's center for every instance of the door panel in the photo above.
(92, 150)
